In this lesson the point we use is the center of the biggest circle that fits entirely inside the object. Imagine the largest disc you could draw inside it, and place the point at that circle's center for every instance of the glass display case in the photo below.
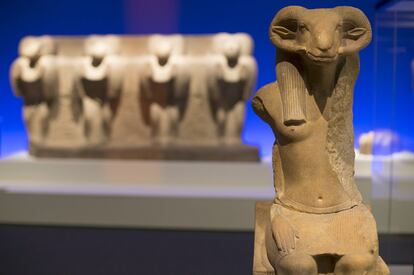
(393, 129)
(187, 196)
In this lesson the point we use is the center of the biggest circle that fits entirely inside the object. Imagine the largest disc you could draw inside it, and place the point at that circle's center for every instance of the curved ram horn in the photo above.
(357, 29)
(282, 30)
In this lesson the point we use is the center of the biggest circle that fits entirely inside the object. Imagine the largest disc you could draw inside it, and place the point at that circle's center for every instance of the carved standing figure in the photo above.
(99, 80)
(232, 80)
(318, 222)
(33, 77)
(164, 87)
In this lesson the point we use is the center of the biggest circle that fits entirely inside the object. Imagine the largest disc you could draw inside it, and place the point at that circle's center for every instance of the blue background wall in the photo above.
(69, 17)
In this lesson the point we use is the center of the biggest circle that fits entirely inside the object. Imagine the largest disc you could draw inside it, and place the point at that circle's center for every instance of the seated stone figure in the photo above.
(99, 81)
(317, 223)
(233, 76)
(33, 77)
(163, 87)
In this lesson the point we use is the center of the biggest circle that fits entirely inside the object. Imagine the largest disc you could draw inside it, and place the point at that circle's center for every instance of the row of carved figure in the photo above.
(97, 90)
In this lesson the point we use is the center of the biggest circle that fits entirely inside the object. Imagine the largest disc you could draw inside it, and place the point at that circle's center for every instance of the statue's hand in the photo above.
(284, 234)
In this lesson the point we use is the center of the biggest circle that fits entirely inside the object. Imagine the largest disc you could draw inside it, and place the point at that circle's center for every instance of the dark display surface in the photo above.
(69, 250)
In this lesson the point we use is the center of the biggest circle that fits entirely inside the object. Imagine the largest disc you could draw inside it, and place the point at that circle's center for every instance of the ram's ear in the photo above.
(282, 31)
(356, 28)
(355, 33)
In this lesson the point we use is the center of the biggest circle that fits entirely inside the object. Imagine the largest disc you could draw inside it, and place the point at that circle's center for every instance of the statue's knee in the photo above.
(155, 112)
(239, 108)
(297, 264)
(355, 264)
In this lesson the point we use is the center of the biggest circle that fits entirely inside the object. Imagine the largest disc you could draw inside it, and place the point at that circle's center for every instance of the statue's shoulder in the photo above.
(268, 91)
(19, 62)
(266, 102)
(268, 95)
(248, 60)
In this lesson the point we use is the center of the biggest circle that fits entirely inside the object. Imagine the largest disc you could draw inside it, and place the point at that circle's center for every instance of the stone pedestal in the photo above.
(238, 153)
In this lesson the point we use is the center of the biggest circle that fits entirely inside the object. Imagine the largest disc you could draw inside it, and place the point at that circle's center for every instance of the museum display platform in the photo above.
(122, 208)
(180, 194)
(239, 152)
(145, 194)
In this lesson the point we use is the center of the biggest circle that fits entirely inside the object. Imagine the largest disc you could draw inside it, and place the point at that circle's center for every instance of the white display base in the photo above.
(172, 195)
(401, 270)
(144, 194)
(391, 195)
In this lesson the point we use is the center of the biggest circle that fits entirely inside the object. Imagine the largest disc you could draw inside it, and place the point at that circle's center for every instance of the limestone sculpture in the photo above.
(234, 78)
(33, 76)
(318, 223)
(99, 82)
(144, 97)
(165, 87)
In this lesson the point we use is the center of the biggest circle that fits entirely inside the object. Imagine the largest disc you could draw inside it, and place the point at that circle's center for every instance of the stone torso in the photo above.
(95, 80)
(30, 82)
(301, 159)
(231, 83)
(233, 92)
(161, 93)
(161, 83)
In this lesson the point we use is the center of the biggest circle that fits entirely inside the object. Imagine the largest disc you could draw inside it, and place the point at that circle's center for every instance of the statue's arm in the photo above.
(259, 108)
(214, 70)
(50, 75)
(264, 104)
(284, 234)
(182, 78)
(15, 72)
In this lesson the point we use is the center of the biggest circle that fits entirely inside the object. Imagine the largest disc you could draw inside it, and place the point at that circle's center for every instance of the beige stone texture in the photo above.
(232, 78)
(34, 78)
(318, 223)
(104, 95)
